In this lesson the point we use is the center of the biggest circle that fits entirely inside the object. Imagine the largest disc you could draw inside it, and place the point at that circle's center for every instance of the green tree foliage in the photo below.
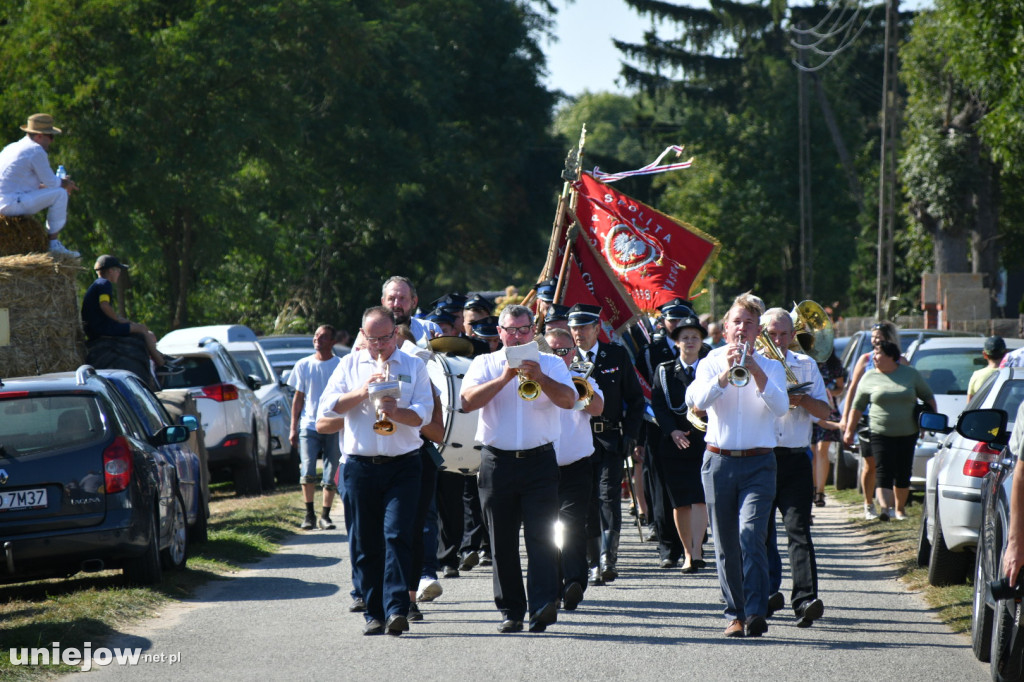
(272, 162)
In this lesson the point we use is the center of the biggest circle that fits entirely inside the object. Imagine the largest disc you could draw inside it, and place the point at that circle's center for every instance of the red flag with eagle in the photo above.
(655, 256)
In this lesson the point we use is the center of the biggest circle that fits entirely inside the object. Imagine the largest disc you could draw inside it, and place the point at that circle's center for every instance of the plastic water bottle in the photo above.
(61, 172)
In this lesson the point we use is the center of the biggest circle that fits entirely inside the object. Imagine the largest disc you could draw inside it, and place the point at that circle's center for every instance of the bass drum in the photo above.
(460, 451)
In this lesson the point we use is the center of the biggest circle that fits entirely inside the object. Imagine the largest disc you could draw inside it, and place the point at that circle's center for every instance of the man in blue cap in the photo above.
(615, 434)
(486, 330)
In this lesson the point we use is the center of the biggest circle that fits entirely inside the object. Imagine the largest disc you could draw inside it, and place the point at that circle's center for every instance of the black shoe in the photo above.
(414, 612)
(668, 563)
(608, 572)
(572, 597)
(325, 523)
(808, 612)
(543, 618)
(699, 564)
(397, 624)
(373, 627)
(357, 605)
(756, 626)
(775, 603)
(309, 523)
(485, 558)
(469, 560)
(594, 577)
(451, 572)
(510, 625)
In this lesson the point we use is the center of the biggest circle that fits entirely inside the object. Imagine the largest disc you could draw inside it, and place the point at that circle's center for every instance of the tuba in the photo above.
(813, 331)
(583, 387)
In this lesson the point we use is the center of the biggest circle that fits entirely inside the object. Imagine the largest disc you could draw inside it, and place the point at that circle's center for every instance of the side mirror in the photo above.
(934, 421)
(253, 382)
(190, 422)
(172, 434)
(987, 426)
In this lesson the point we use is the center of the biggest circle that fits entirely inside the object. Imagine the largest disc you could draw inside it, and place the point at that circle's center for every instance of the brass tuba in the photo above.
(813, 331)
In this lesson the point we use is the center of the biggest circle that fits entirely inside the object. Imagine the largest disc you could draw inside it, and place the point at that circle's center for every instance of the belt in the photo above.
(752, 452)
(602, 426)
(545, 449)
(782, 450)
(384, 459)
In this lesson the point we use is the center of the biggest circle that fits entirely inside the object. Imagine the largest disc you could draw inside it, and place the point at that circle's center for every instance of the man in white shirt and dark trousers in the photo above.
(518, 476)
(739, 463)
(382, 472)
(794, 482)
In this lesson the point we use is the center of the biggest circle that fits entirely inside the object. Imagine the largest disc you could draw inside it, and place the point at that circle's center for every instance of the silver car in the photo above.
(951, 519)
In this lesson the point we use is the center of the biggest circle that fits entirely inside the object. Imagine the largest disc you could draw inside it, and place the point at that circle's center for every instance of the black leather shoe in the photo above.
(573, 596)
(775, 603)
(397, 624)
(756, 626)
(809, 612)
(451, 572)
(608, 572)
(469, 560)
(373, 627)
(510, 625)
(543, 618)
(357, 605)
(594, 578)
(414, 612)
(485, 558)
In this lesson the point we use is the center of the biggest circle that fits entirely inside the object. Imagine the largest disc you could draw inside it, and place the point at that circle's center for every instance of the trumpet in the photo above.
(379, 390)
(739, 376)
(528, 389)
(583, 387)
(766, 345)
(695, 420)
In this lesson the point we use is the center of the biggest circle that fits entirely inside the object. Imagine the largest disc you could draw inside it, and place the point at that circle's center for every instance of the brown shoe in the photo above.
(735, 628)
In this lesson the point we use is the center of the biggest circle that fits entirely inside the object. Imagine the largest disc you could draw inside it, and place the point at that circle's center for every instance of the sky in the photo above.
(584, 57)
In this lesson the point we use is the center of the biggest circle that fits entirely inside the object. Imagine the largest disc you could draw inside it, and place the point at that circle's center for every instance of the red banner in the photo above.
(655, 256)
(590, 280)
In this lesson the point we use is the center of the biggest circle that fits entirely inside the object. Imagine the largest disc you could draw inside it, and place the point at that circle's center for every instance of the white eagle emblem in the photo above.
(626, 251)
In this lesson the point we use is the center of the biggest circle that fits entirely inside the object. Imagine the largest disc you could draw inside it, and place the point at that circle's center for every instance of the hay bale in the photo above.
(21, 235)
(40, 295)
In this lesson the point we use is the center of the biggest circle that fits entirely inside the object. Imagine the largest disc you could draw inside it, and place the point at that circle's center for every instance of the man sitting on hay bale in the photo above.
(28, 185)
(100, 321)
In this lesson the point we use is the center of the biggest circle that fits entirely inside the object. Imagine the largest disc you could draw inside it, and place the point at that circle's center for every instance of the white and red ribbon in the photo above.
(650, 169)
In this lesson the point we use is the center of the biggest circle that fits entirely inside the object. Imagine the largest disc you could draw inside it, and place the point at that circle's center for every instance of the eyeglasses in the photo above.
(525, 329)
(380, 339)
(562, 352)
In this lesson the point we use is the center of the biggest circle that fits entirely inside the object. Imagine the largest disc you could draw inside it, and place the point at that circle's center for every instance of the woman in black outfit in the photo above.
(681, 450)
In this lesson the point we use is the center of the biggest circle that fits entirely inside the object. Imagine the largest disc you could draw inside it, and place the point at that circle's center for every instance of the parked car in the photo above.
(285, 350)
(951, 520)
(236, 432)
(993, 620)
(83, 486)
(154, 418)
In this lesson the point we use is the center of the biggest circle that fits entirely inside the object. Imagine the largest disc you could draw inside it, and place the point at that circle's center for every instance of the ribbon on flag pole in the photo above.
(650, 169)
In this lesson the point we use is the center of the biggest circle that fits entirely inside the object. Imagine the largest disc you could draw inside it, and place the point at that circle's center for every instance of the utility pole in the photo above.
(887, 169)
(806, 227)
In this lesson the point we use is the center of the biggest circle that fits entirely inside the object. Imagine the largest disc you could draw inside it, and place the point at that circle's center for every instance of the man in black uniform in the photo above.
(615, 433)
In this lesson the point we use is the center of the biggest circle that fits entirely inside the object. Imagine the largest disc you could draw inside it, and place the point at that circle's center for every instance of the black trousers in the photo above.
(521, 492)
(669, 545)
(605, 512)
(450, 517)
(474, 534)
(574, 489)
(794, 493)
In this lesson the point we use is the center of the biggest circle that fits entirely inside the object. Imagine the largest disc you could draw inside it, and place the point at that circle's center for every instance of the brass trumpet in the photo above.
(379, 390)
(739, 376)
(528, 389)
(583, 387)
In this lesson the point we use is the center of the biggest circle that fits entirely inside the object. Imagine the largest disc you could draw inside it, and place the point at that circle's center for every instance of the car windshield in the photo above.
(948, 370)
(1011, 395)
(31, 423)
(198, 371)
(252, 364)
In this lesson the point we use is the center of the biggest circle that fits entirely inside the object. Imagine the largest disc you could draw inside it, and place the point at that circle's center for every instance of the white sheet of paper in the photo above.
(516, 354)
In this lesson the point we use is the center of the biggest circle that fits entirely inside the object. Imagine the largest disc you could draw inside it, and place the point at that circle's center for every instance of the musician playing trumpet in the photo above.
(738, 471)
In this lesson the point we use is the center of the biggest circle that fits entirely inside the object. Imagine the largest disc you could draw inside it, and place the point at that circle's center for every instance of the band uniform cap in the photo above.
(486, 328)
(995, 344)
(556, 312)
(40, 124)
(676, 309)
(440, 316)
(582, 314)
(478, 302)
(451, 303)
(546, 290)
(689, 322)
(107, 261)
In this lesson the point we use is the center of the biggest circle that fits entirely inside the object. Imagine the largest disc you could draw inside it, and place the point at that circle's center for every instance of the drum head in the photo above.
(453, 345)
(460, 452)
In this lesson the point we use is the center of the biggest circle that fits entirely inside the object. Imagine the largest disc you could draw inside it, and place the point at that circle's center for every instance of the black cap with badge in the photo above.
(486, 328)
(583, 314)
(478, 302)
(557, 312)
(676, 309)
(546, 290)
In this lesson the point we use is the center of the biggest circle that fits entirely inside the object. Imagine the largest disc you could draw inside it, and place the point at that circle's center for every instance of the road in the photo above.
(286, 618)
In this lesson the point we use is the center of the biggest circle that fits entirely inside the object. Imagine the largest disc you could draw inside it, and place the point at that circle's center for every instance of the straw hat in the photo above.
(40, 124)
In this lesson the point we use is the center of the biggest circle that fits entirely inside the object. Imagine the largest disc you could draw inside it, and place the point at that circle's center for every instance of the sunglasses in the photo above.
(562, 352)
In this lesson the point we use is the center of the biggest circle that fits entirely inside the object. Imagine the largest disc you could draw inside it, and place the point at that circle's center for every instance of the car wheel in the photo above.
(981, 614)
(247, 473)
(924, 547)
(288, 474)
(844, 476)
(1006, 664)
(199, 532)
(174, 555)
(267, 469)
(945, 567)
(145, 568)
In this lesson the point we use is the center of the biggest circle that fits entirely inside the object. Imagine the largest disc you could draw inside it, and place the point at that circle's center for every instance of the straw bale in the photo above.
(41, 296)
(22, 234)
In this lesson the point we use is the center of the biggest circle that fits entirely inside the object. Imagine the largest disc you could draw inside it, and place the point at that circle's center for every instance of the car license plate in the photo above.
(23, 499)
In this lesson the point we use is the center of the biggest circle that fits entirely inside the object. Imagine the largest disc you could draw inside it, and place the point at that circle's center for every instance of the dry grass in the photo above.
(20, 235)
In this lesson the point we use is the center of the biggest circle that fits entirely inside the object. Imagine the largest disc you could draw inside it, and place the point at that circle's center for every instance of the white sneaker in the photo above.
(869, 512)
(57, 247)
(896, 516)
(429, 590)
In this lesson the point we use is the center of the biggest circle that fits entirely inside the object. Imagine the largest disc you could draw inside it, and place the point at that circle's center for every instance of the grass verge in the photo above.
(899, 540)
(91, 607)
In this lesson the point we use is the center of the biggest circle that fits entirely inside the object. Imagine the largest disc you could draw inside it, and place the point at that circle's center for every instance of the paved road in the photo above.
(286, 618)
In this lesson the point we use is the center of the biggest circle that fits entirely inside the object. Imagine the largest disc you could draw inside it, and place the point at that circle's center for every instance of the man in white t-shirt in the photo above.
(309, 377)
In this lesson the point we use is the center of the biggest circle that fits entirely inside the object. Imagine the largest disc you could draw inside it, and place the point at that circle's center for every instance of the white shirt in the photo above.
(794, 428)
(358, 437)
(576, 441)
(739, 418)
(1014, 359)
(24, 166)
(309, 376)
(423, 330)
(508, 422)
(1017, 435)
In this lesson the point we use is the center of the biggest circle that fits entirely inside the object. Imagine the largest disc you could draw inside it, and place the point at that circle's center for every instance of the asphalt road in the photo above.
(286, 618)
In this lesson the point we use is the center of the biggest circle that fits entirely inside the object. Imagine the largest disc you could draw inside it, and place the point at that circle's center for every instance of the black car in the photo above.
(82, 488)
